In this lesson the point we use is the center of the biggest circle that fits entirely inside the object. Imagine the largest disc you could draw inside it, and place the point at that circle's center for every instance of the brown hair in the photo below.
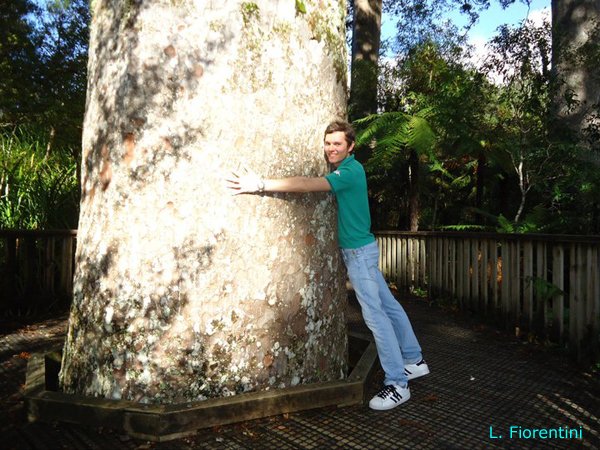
(341, 125)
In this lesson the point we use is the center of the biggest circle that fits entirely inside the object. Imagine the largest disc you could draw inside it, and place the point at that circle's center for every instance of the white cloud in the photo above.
(537, 16)
(480, 50)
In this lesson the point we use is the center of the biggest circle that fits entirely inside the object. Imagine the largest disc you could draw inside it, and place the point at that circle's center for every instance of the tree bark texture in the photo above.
(366, 40)
(576, 38)
(413, 190)
(182, 291)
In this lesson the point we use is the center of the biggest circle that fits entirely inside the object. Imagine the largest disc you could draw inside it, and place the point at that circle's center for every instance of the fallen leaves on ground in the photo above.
(145, 446)
(250, 433)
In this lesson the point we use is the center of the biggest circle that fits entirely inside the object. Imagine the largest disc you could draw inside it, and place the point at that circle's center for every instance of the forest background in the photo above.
(452, 145)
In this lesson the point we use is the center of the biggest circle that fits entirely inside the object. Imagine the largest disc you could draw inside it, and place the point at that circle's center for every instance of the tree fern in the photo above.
(391, 134)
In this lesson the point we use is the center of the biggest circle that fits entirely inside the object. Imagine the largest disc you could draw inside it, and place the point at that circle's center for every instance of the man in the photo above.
(397, 346)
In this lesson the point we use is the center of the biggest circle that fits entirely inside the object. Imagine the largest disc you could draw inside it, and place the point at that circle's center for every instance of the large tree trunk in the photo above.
(576, 37)
(183, 292)
(413, 190)
(366, 38)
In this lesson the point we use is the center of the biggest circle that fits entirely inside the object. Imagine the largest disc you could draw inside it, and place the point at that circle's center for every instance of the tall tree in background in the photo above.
(576, 66)
(575, 54)
(183, 292)
(521, 57)
(366, 39)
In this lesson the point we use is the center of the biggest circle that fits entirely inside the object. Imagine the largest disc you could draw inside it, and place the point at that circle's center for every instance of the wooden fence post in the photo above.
(494, 274)
(504, 275)
(433, 266)
(577, 317)
(483, 278)
(475, 275)
(515, 295)
(453, 264)
(541, 272)
(49, 265)
(66, 267)
(417, 269)
(558, 279)
(10, 277)
(438, 269)
(467, 272)
(527, 285)
(423, 261)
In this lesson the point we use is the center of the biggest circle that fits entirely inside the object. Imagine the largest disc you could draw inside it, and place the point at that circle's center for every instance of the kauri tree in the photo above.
(183, 292)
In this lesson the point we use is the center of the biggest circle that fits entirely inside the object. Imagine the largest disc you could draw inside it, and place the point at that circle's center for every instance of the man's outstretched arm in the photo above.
(250, 183)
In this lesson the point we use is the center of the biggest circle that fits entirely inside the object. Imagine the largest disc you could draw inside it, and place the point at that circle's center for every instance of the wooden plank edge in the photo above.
(159, 422)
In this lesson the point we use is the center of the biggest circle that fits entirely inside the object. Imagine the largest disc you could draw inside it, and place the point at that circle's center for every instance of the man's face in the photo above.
(336, 147)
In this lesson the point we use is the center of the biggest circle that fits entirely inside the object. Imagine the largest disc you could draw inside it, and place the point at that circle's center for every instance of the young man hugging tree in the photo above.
(397, 346)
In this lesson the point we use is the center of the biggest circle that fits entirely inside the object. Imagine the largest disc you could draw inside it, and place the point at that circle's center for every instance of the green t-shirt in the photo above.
(349, 184)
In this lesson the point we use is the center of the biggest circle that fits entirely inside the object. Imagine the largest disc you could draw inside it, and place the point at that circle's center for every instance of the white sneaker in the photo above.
(417, 370)
(390, 397)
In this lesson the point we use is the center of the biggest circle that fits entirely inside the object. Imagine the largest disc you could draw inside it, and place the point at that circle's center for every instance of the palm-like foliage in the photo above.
(392, 134)
(396, 135)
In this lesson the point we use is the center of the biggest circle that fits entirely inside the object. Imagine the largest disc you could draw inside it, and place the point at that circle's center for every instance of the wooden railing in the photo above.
(36, 268)
(545, 285)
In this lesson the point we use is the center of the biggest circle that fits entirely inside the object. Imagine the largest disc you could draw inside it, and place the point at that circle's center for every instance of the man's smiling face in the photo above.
(337, 148)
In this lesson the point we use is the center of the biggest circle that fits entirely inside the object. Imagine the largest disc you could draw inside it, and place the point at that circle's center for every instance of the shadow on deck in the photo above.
(480, 379)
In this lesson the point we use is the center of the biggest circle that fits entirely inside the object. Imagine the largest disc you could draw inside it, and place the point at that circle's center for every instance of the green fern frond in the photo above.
(420, 136)
(426, 113)
(436, 166)
(505, 225)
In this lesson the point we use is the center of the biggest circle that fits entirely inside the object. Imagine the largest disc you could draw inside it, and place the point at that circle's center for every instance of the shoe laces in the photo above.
(388, 391)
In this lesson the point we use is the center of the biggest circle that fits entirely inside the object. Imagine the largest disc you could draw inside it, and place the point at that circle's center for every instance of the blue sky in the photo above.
(489, 20)
(495, 16)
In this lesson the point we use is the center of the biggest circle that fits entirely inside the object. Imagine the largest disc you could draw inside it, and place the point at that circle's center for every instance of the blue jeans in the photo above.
(394, 337)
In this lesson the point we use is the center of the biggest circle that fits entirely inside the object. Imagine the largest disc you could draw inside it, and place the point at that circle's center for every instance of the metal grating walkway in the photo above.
(480, 378)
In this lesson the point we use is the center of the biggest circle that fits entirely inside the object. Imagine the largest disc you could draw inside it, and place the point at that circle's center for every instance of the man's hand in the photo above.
(248, 183)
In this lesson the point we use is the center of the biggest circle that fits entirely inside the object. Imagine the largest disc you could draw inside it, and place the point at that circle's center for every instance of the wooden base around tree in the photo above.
(166, 422)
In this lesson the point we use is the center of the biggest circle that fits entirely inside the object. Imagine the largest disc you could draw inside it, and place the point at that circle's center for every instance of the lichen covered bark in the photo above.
(576, 67)
(183, 292)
